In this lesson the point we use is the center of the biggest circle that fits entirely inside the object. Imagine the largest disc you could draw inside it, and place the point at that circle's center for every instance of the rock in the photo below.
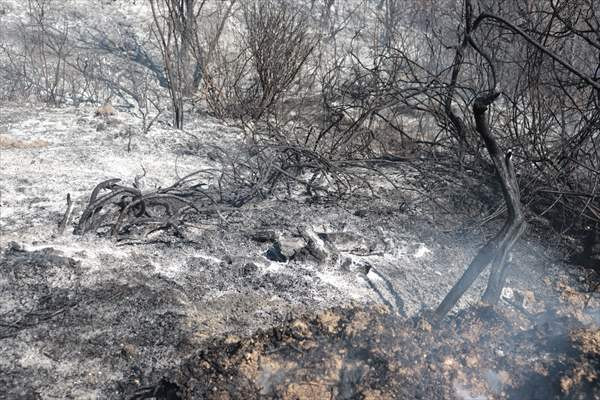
(290, 247)
(106, 110)
(316, 247)
(522, 298)
(424, 325)
(274, 254)
(362, 268)
(356, 266)
(263, 236)
(285, 249)
(347, 241)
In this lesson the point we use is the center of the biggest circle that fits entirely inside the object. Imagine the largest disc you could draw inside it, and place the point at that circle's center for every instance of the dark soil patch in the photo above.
(359, 353)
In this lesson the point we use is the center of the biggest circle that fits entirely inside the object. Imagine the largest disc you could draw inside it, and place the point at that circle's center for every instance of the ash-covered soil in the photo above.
(88, 317)
(370, 353)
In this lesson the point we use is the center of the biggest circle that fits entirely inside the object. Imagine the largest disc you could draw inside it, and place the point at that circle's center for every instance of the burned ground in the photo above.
(211, 312)
(370, 353)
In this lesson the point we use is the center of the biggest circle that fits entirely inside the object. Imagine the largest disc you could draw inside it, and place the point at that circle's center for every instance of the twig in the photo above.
(66, 219)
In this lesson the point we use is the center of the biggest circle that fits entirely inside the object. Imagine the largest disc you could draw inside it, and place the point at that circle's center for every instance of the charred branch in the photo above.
(267, 170)
(495, 251)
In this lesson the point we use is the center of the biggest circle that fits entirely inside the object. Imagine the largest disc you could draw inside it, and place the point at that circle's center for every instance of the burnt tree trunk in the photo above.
(497, 249)
(178, 114)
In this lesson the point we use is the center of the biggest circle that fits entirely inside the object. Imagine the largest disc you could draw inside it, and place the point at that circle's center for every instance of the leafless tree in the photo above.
(560, 70)
(279, 42)
(528, 75)
(39, 65)
(176, 30)
(185, 56)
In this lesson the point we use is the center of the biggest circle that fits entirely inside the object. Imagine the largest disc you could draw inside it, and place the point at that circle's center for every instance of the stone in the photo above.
(346, 241)
(263, 236)
(104, 111)
(291, 246)
(285, 249)
(315, 245)
(349, 264)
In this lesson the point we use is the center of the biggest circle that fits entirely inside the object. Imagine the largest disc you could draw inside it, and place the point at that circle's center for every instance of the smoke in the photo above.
(462, 392)
(269, 378)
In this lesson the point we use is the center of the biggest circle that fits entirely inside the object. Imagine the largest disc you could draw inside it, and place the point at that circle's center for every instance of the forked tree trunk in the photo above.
(497, 249)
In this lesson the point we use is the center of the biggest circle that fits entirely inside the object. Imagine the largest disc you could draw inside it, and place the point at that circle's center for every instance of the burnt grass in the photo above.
(210, 316)
(370, 353)
(133, 335)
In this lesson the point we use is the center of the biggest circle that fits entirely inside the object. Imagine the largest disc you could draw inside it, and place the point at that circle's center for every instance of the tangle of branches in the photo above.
(260, 172)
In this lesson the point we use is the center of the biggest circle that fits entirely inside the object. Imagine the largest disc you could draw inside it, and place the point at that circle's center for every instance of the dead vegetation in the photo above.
(259, 172)
(10, 142)
(324, 102)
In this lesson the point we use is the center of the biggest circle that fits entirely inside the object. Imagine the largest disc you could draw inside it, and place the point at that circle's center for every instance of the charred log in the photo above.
(495, 251)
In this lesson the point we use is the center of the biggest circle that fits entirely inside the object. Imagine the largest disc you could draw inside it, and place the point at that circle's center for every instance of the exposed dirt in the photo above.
(87, 317)
(369, 353)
